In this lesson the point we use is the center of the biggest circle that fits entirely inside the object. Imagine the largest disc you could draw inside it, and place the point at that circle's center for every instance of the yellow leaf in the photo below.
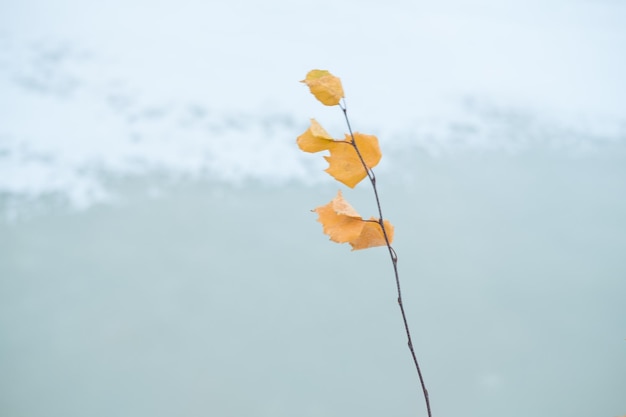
(372, 235)
(339, 220)
(343, 224)
(344, 162)
(324, 86)
(315, 138)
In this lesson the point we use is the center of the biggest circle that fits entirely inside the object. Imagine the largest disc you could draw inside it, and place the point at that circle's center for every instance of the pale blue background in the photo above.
(157, 252)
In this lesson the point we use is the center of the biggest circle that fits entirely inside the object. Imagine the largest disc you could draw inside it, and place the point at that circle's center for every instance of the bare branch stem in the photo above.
(392, 254)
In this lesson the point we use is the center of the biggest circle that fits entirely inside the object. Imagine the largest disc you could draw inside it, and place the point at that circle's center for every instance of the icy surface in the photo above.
(209, 89)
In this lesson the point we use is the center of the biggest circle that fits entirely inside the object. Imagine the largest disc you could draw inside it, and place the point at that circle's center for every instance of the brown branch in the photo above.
(392, 254)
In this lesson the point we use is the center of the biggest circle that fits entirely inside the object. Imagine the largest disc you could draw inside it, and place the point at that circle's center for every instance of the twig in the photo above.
(392, 254)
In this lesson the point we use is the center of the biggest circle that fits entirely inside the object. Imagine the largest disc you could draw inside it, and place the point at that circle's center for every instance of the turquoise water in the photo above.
(192, 298)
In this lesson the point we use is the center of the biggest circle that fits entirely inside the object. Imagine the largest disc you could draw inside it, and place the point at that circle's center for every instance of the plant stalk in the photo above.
(393, 255)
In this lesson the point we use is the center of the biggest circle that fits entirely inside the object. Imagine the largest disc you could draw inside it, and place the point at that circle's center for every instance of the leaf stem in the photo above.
(392, 254)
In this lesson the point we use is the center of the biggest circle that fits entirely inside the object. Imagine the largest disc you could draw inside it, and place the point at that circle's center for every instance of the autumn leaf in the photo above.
(342, 223)
(344, 163)
(372, 235)
(324, 86)
(315, 139)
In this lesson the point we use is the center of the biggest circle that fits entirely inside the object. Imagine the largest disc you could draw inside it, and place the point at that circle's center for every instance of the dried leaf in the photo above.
(372, 235)
(324, 86)
(315, 139)
(344, 163)
(339, 220)
(343, 224)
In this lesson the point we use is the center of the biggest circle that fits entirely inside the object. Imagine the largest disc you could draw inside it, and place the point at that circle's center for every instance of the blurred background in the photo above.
(158, 255)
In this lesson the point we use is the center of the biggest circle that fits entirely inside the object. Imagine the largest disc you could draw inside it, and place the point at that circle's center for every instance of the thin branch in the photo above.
(392, 254)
